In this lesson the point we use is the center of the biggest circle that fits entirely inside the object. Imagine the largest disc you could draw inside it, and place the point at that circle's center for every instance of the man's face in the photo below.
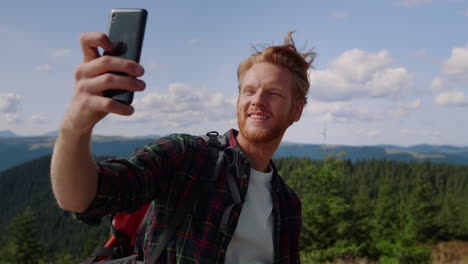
(265, 106)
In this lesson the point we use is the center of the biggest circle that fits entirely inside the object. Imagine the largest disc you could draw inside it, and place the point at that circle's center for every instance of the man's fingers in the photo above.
(108, 81)
(106, 64)
(108, 105)
(91, 41)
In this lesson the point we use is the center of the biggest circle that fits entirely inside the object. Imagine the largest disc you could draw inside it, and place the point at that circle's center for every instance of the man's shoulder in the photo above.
(176, 138)
(228, 138)
(189, 140)
(186, 136)
(172, 143)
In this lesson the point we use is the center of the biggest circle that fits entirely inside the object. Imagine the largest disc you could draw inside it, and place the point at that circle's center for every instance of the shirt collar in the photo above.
(231, 135)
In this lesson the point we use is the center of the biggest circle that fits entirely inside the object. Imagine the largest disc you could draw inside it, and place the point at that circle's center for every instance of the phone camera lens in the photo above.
(120, 48)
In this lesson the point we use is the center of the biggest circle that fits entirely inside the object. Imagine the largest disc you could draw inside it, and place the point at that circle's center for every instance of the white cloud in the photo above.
(347, 112)
(410, 106)
(193, 41)
(420, 133)
(356, 65)
(406, 131)
(332, 111)
(9, 102)
(136, 117)
(413, 3)
(10, 117)
(42, 68)
(338, 15)
(373, 133)
(9, 106)
(369, 133)
(157, 66)
(182, 106)
(457, 63)
(456, 98)
(388, 82)
(419, 53)
(39, 118)
(437, 84)
(356, 74)
(60, 52)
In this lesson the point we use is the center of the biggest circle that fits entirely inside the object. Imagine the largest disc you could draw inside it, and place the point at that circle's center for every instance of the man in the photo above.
(263, 228)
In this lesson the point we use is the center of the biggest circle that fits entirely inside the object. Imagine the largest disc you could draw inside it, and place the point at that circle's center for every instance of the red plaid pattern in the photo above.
(164, 172)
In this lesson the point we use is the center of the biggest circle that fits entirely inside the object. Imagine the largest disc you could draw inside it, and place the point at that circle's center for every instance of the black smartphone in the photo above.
(126, 30)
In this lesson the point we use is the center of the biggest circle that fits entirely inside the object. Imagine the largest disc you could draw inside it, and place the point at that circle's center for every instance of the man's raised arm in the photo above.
(73, 169)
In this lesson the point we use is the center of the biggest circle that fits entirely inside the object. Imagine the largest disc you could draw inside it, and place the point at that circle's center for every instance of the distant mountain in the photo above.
(434, 153)
(435, 150)
(7, 134)
(51, 133)
(426, 148)
(16, 150)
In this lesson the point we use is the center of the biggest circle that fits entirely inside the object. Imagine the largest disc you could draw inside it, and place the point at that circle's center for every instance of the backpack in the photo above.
(125, 246)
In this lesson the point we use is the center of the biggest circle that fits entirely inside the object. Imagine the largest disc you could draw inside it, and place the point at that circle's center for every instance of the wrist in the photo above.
(71, 133)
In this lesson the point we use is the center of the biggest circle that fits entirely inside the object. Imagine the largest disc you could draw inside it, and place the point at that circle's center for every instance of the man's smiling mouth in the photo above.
(258, 116)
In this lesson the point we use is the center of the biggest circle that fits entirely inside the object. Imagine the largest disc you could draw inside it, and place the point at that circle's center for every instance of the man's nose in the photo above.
(259, 98)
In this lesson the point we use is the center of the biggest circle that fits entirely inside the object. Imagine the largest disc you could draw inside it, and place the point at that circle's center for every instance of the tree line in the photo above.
(385, 211)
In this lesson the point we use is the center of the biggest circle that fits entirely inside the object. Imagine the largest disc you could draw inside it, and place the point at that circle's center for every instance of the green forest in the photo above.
(383, 211)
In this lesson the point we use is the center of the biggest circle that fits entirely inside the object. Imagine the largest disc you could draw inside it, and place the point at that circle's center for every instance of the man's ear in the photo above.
(298, 107)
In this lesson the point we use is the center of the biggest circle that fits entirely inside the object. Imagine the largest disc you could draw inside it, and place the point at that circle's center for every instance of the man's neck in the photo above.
(259, 154)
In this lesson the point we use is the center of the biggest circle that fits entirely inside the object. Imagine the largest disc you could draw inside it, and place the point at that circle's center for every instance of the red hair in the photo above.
(286, 56)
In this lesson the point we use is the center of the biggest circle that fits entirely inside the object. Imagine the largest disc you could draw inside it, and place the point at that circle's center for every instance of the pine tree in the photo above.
(385, 228)
(325, 216)
(23, 246)
(64, 258)
(422, 208)
(361, 221)
(450, 221)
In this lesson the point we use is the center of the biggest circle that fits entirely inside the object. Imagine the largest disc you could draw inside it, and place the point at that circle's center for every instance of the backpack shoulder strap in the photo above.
(215, 144)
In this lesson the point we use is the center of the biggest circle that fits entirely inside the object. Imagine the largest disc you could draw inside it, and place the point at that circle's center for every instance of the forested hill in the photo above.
(17, 150)
(379, 210)
(434, 153)
(27, 189)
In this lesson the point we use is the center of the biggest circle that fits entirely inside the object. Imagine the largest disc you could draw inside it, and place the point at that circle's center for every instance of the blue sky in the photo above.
(387, 72)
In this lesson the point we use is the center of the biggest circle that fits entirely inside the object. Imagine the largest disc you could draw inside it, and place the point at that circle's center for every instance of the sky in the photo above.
(386, 72)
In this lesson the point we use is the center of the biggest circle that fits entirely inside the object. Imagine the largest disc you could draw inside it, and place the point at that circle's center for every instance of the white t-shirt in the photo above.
(253, 239)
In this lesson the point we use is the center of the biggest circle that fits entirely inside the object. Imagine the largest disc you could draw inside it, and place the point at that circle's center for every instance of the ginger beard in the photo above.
(262, 134)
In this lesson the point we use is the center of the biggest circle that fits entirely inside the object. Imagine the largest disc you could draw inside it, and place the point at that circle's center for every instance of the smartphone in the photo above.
(126, 30)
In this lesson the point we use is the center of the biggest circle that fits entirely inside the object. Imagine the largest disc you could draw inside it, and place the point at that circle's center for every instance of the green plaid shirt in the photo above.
(164, 172)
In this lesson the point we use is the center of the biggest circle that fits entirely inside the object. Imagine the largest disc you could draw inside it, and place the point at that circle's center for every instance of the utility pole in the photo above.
(324, 134)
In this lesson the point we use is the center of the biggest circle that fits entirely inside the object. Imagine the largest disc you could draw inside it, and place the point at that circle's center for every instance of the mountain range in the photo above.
(15, 150)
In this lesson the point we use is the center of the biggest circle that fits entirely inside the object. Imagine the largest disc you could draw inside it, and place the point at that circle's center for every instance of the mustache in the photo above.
(257, 110)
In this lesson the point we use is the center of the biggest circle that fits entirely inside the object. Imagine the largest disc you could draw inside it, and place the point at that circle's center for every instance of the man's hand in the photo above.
(73, 170)
(88, 106)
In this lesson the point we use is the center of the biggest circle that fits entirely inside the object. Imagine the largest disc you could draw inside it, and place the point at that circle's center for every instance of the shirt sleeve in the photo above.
(126, 184)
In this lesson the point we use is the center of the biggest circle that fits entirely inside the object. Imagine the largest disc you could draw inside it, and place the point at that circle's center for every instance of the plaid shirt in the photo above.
(163, 172)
